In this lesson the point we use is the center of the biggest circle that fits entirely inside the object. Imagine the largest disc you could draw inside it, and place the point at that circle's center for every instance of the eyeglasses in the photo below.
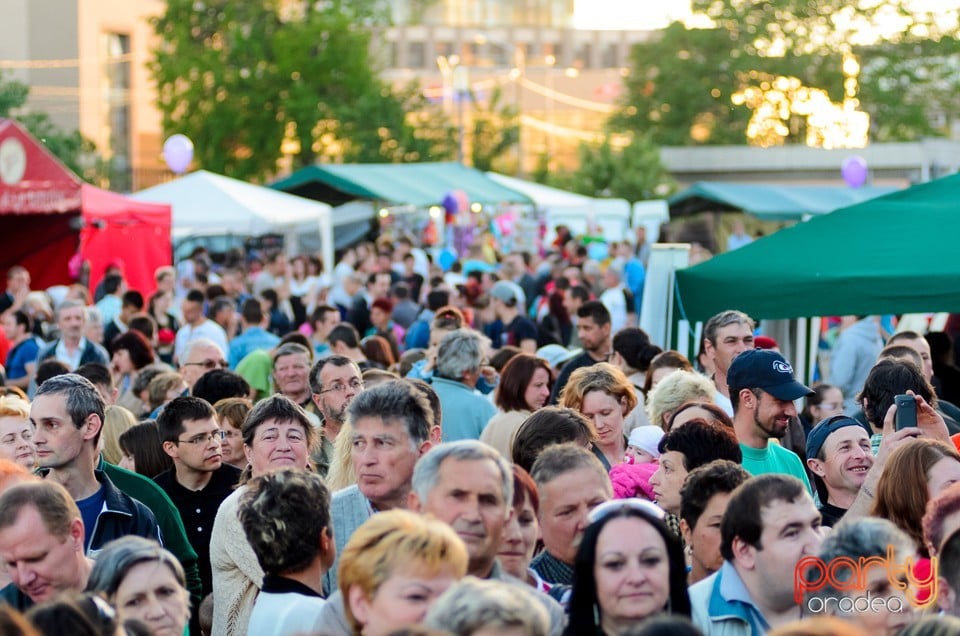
(829, 406)
(340, 387)
(614, 506)
(204, 438)
(209, 364)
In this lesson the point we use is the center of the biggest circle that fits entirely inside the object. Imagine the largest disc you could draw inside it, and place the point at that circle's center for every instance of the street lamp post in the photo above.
(461, 88)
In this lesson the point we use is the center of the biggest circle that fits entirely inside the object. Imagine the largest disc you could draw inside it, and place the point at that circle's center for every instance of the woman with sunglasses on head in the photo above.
(629, 567)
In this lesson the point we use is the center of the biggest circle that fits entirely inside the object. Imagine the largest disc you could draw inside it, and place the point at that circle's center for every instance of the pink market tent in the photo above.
(48, 215)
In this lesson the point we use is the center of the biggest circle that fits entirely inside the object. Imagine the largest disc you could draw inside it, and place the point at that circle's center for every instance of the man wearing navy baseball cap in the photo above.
(839, 456)
(762, 391)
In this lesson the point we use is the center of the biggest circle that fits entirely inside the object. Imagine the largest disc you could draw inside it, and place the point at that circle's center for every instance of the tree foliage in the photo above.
(634, 172)
(239, 78)
(73, 149)
(496, 129)
(681, 83)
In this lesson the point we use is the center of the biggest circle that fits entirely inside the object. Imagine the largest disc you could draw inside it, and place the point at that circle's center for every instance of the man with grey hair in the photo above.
(868, 597)
(725, 336)
(469, 485)
(67, 415)
(73, 348)
(459, 360)
(473, 606)
(200, 356)
(291, 376)
(391, 428)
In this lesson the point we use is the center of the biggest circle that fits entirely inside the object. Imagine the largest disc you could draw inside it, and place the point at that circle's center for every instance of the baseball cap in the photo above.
(765, 342)
(556, 355)
(818, 436)
(767, 370)
(509, 292)
(819, 433)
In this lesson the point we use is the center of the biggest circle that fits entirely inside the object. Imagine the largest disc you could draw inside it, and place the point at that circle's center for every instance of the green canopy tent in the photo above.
(769, 202)
(419, 184)
(893, 254)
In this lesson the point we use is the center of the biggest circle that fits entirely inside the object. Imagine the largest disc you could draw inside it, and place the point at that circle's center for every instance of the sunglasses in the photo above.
(615, 506)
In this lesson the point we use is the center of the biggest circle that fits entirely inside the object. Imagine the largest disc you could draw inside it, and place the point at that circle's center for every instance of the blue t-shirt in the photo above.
(18, 358)
(90, 510)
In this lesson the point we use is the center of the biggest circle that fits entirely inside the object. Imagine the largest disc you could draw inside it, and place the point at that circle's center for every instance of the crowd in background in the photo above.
(489, 446)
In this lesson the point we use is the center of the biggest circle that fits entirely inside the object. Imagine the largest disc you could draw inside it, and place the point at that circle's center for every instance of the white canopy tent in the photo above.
(208, 203)
(576, 211)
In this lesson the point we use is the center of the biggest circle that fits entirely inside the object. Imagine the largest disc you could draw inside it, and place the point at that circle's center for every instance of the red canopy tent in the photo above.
(48, 215)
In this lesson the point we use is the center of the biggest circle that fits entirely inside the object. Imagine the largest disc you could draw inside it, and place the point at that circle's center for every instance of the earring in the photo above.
(596, 615)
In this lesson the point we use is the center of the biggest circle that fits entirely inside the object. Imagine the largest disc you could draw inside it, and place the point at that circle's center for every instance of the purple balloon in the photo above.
(178, 153)
(450, 203)
(854, 171)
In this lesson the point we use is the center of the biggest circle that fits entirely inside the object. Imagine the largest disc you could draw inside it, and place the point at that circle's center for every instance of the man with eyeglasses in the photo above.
(334, 381)
(199, 480)
(199, 357)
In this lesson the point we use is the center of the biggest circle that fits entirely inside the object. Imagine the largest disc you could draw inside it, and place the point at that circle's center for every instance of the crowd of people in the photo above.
(260, 447)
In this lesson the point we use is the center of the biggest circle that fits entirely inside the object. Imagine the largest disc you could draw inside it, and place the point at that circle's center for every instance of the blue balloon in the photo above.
(597, 251)
(446, 259)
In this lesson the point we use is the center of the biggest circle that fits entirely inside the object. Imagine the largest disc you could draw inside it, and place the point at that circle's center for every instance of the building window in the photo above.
(116, 83)
(584, 52)
(611, 56)
(417, 55)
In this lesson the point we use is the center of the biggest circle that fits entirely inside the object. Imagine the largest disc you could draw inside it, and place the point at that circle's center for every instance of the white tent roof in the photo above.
(203, 202)
(580, 213)
(208, 203)
(543, 196)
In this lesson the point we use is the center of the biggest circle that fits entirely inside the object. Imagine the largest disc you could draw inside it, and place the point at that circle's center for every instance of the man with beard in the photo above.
(593, 331)
(762, 391)
(334, 381)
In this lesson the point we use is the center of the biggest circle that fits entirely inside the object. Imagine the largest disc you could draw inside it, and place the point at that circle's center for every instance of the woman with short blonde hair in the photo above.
(387, 554)
(605, 395)
(16, 432)
(116, 421)
(673, 391)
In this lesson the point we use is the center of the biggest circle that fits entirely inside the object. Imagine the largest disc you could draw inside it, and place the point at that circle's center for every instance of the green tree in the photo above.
(634, 172)
(76, 151)
(239, 78)
(681, 82)
(496, 129)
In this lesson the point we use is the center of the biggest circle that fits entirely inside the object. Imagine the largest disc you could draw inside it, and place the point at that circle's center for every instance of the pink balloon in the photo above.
(854, 171)
(178, 153)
